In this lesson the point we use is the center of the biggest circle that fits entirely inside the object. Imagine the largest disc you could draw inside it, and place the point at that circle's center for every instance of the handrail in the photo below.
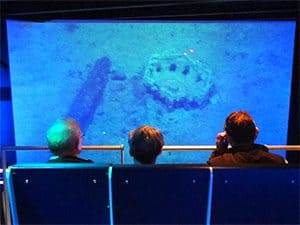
(213, 147)
(284, 147)
(165, 147)
(121, 149)
(86, 147)
(188, 147)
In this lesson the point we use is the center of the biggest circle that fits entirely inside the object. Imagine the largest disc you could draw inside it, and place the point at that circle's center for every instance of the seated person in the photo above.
(240, 132)
(64, 139)
(145, 144)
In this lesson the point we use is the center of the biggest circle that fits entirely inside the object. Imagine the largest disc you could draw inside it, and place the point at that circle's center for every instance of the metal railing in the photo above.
(120, 148)
(4, 197)
(213, 147)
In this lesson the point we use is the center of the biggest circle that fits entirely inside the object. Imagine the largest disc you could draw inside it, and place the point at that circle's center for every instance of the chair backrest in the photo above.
(256, 196)
(160, 194)
(59, 194)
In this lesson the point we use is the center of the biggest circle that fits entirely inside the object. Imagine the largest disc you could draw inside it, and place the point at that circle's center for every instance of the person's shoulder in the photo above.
(260, 147)
(85, 160)
(68, 159)
(55, 159)
(278, 158)
(79, 160)
(226, 158)
(275, 158)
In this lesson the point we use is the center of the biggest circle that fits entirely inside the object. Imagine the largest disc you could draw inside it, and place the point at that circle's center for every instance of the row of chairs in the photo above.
(158, 194)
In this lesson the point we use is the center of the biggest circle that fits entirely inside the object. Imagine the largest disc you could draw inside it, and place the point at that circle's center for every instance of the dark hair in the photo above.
(63, 136)
(240, 127)
(145, 144)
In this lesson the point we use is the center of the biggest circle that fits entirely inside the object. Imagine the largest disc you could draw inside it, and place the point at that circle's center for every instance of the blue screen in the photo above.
(182, 77)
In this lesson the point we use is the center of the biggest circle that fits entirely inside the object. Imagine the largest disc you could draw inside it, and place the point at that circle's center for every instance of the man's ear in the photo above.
(256, 132)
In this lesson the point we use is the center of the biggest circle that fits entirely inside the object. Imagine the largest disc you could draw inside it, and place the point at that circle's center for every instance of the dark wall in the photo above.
(6, 124)
(294, 118)
(155, 9)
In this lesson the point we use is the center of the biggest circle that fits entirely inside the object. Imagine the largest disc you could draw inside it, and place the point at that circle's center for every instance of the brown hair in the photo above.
(240, 127)
(145, 144)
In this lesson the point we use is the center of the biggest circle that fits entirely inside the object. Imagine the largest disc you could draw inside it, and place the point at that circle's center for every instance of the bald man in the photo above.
(64, 139)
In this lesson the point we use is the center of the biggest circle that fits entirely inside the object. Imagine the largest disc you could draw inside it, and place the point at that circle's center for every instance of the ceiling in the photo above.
(117, 9)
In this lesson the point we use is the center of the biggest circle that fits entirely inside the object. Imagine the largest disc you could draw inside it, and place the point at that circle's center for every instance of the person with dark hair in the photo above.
(145, 144)
(240, 132)
(64, 139)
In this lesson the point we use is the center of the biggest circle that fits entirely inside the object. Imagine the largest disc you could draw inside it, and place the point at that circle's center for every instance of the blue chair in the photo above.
(256, 196)
(160, 194)
(58, 194)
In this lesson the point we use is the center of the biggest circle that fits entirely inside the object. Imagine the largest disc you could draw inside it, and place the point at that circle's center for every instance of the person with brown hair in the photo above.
(145, 144)
(64, 139)
(240, 132)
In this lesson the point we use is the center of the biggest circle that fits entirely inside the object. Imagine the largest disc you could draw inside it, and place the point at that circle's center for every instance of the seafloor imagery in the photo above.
(179, 81)
(182, 77)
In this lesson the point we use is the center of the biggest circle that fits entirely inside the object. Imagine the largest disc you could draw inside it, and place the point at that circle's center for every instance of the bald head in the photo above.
(64, 137)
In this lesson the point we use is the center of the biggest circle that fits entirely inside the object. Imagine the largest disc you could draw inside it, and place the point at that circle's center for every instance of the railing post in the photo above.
(4, 195)
(122, 154)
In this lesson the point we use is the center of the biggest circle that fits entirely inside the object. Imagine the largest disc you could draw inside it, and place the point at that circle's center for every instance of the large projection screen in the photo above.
(182, 77)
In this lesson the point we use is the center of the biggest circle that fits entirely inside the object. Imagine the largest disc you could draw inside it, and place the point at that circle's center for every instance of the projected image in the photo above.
(181, 77)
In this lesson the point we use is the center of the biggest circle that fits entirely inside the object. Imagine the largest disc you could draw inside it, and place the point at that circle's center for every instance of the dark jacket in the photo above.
(254, 154)
(69, 159)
